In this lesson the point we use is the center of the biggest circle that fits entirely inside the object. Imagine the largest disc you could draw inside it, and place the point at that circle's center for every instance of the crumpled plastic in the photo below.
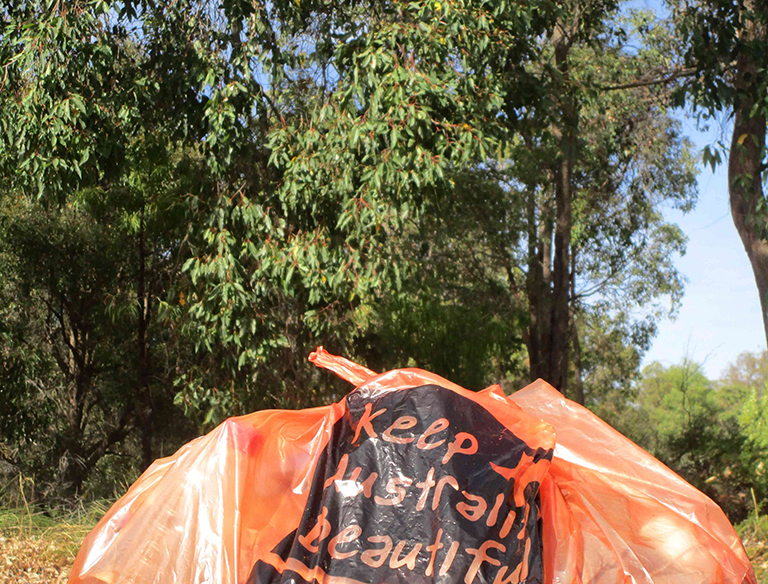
(411, 478)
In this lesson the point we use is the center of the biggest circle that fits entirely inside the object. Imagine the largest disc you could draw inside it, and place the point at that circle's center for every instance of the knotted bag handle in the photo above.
(344, 368)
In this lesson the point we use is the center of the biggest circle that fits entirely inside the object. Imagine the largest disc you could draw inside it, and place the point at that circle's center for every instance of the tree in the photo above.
(455, 313)
(361, 131)
(256, 162)
(81, 281)
(725, 46)
(712, 432)
(630, 159)
(264, 177)
(493, 239)
(59, 268)
(608, 361)
(90, 162)
(750, 371)
(696, 428)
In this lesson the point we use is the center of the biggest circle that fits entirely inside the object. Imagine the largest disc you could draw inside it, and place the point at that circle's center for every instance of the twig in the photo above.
(26, 506)
(754, 500)
(685, 72)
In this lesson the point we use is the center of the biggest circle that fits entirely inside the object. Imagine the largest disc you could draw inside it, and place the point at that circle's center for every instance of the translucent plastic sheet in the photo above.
(413, 479)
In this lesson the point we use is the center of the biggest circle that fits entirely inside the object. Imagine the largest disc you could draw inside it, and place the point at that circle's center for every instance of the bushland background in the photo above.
(194, 194)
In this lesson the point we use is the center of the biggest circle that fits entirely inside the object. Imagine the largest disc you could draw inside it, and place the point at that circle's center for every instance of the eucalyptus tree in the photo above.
(493, 246)
(265, 176)
(600, 234)
(258, 162)
(59, 268)
(361, 114)
(725, 50)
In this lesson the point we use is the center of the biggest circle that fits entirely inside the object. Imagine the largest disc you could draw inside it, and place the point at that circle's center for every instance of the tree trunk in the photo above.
(539, 284)
(578, 382)
(561, 269)
(532, 284)
(745, 188)
(71, 459)
(744, 168)
(578, 375)
(78, 376)
(549, 275)
(145, 407)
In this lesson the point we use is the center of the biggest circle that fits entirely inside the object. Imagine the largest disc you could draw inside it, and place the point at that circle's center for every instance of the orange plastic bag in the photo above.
(413, 479)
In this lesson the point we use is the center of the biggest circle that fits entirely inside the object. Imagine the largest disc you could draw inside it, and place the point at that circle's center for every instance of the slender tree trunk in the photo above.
(744, 167)
(145, 408)
(533, 284)
(561, 269)
(578, 377)
(539, 284)
(72, 454)
(578, 382)
(77, 375)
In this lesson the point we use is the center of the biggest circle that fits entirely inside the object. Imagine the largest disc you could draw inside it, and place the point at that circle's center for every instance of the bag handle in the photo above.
(344, 368)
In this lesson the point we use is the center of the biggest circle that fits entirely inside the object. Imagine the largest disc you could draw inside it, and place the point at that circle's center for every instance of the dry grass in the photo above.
(754, 534)
(39, 547)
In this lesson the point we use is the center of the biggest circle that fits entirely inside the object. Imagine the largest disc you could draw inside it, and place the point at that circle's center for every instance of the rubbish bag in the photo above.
(413, 479)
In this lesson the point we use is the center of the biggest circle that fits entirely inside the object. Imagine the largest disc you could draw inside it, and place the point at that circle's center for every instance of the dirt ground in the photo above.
(32, 560)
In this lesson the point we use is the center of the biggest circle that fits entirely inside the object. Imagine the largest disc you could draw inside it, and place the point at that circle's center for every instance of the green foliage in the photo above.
(361, 116)
(609, 362)
(723, 43)
(453, 312)
(630, 161)
(68, 316)
(750, 370)
(634, 160)
(753, 416)
(755, 419)
(471, 343)
(200, 193)
(723, 46)
(712, 34)
(709, 432)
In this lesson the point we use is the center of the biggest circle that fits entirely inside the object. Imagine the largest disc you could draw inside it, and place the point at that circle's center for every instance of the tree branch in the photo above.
(668, 78)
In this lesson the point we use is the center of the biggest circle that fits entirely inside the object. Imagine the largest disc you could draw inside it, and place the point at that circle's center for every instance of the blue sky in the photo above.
(720, 313)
